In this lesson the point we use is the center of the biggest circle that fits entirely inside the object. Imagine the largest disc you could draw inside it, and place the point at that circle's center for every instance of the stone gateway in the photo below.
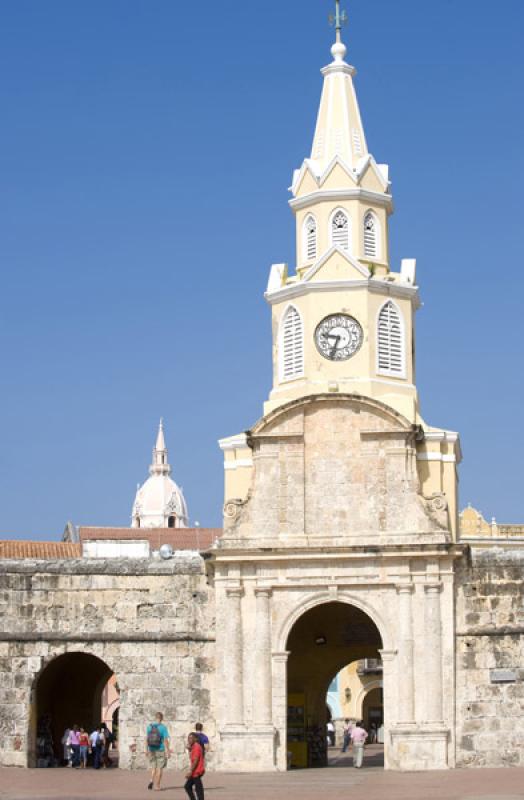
(341, 540)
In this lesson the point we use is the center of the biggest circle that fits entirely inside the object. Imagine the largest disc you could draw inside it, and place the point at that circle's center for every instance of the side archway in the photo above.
(67, 691)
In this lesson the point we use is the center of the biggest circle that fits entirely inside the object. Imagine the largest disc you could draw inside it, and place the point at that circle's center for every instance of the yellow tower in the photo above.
(344, 321)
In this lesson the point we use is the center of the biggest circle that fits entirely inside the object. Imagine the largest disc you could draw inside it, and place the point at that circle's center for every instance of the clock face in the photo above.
(338, 337)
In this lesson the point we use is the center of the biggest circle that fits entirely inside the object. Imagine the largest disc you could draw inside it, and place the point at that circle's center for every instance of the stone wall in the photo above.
(151, 623)
(490, 658)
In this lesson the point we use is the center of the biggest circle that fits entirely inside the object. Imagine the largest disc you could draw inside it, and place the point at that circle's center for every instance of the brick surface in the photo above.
(338, 782)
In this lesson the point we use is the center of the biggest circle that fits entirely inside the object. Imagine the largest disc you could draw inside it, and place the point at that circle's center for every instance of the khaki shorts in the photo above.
(158, 759)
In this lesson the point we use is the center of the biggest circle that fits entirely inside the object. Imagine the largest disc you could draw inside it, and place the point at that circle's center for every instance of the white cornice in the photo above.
(446, 437)
(437, 457)
(338, 67)
(377, 287)
(233, 442)
(339, 195)
(441, 436)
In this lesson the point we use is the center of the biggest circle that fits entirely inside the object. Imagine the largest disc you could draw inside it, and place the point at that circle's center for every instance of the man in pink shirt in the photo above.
(358, 738)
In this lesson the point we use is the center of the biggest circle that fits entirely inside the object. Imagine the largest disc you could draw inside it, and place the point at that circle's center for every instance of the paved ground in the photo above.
(340, 782)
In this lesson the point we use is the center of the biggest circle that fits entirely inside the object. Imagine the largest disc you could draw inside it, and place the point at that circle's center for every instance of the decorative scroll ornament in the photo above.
(233, 507)
(437, 508)
(233, 510)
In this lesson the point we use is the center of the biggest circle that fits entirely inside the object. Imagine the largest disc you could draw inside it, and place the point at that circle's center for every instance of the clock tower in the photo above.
(340, 512)
(343, 320)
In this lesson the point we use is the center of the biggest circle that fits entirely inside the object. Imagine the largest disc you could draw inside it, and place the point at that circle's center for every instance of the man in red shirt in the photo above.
(197, 768)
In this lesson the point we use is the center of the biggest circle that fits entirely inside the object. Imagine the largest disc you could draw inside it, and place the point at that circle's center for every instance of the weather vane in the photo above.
(338, 19)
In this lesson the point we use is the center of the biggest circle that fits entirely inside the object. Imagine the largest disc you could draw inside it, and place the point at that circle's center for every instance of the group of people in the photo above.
(79, 745)
(355, 735)
(158, 750)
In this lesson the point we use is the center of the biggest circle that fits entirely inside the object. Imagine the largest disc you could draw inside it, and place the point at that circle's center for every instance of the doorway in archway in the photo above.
(69, 690)
(322, 641)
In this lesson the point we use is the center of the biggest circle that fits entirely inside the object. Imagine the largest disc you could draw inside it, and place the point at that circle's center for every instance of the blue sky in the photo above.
(146, 147)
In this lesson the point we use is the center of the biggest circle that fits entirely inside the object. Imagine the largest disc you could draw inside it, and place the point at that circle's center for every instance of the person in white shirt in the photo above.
(96, 740)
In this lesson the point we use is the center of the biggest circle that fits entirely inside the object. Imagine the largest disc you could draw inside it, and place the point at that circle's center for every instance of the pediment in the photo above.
(336, 175)
(370, 176)
(337, 265)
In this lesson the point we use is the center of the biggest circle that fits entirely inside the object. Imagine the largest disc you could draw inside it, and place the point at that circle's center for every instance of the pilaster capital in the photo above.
(433, 587)
(405, 588)
(387, 655)
(281, 656)
(263, 591)
(234, 590)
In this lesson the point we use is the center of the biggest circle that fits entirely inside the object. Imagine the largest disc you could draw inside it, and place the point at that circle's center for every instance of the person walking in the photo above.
(358, 738)
(157, 749)
(202, 738)
(196, 769)
(330, 733)
(66, 744)
(84, 747)
(74, 741)
(97, 742)
(346, 735)
(108, 740)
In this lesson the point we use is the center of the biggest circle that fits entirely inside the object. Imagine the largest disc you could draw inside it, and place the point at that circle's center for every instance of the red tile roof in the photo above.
(47, 550)
(178, 538)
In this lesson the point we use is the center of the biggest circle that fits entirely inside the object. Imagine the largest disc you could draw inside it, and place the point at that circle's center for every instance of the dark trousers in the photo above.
(97, 756)
(75, 761)
(197, 783)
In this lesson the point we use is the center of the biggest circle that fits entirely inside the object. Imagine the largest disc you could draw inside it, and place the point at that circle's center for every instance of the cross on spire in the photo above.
(338, 19)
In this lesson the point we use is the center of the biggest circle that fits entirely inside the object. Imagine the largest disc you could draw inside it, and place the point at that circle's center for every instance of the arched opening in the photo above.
(171, 521)
(373, 709)
(70, 690)
(322, 641)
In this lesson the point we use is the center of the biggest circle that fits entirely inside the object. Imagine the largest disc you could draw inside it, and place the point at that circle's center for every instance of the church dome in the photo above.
(159, 502)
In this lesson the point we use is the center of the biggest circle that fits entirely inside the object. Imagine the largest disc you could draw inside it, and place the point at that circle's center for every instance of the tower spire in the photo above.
(159, 464)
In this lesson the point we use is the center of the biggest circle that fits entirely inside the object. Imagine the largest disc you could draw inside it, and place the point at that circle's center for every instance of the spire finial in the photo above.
(339, 18)
(160, 464)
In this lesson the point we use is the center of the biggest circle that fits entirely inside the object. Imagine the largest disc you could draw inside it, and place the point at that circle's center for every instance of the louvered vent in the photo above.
(370, 236)
(390, 341)
(357, 145)
(311, 238)
(292, 345)
(340, 230)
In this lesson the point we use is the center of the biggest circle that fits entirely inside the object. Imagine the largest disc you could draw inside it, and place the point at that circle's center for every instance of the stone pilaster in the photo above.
(235, 688)
(433, 650)
(263, 679)
(406, 683)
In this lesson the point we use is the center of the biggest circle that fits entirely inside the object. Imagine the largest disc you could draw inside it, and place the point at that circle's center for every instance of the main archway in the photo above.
(68, 691)
(322, 641)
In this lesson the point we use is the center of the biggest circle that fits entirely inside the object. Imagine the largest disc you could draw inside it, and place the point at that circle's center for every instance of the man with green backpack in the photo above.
(158, 750)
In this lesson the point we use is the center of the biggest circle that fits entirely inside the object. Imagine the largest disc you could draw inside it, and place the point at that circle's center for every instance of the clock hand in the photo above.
(334, 348)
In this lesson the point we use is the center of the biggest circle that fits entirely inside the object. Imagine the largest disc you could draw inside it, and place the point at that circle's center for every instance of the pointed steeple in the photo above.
(339, 130)
(160, 465)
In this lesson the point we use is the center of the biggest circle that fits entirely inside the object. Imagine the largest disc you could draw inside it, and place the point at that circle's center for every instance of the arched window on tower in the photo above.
(371, 237)
(291, 349)
(390, 341)
(171, 521)
(310, 236)
(340, 230)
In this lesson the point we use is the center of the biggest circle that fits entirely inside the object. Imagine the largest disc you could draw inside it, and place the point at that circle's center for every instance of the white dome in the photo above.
(159, 502)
